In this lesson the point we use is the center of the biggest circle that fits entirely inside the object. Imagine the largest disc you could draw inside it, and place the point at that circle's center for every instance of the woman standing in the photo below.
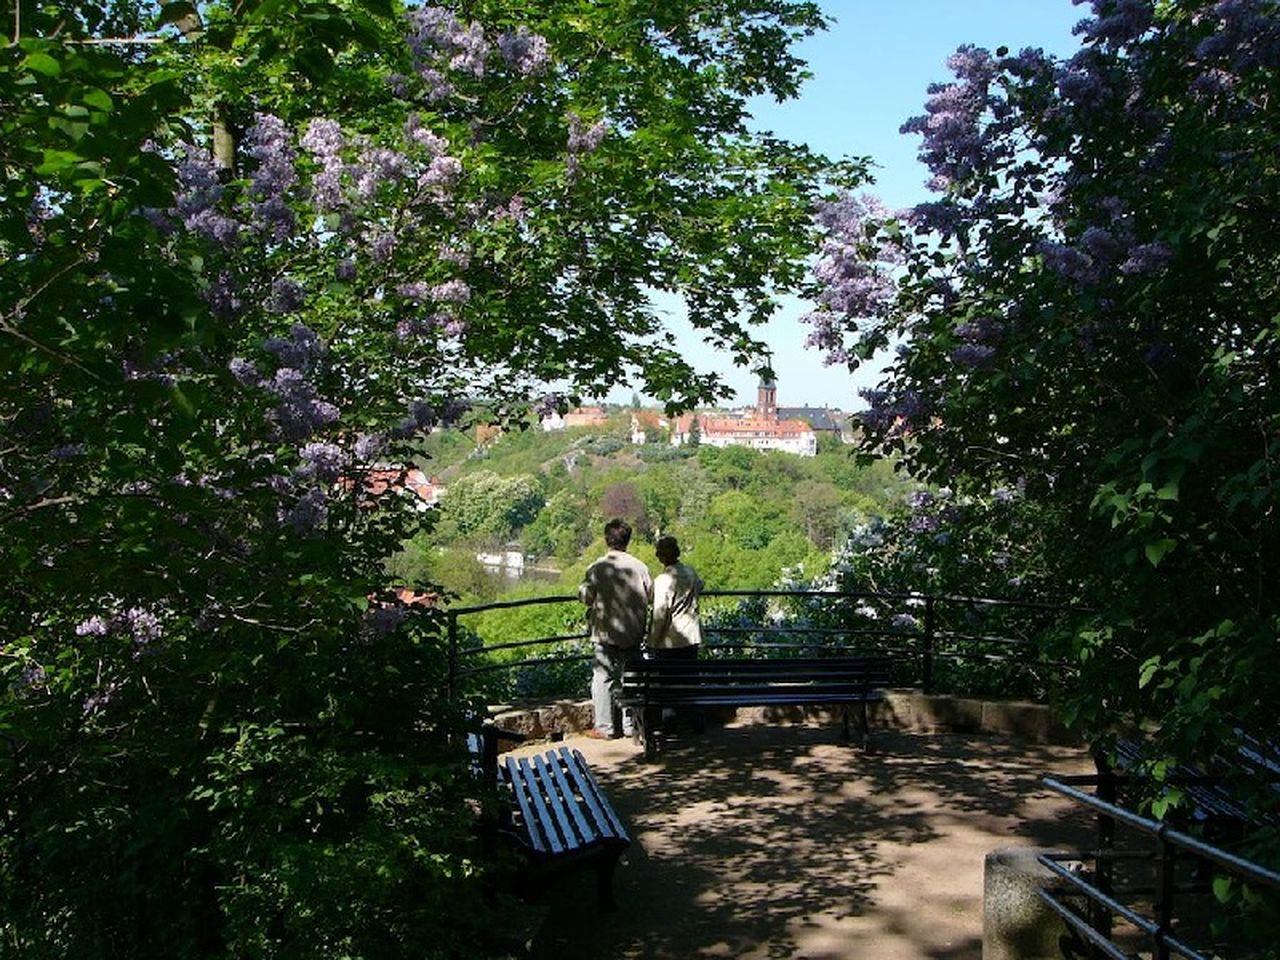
(675, 631)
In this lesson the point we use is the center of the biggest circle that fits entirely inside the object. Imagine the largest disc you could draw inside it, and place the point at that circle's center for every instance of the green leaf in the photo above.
(1157, 549)
(42, 63)
(1148, 671)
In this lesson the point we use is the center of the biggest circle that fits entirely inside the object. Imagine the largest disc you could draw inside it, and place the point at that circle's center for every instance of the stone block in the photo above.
(1016, 923)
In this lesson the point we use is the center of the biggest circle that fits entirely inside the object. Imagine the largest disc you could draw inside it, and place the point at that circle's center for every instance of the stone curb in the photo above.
(908, 710)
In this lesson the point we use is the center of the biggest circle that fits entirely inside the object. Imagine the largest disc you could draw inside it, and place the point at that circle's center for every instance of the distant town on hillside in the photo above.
(765, 426)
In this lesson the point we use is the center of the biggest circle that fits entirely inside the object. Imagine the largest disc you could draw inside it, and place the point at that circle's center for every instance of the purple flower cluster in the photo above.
(322, 461)
(299, 411)
(309, 513)
(325, 142)
(199, 192)
(269, 143)
(439, 41)
(1083, 82)
(852, 271)
(526, 52)
(383, 619)
(1147, 258)
(892, 414)
(141, 625)
(583, 139)
(954, 145)
(424, 416)
(1116, 22)
(1246, 35)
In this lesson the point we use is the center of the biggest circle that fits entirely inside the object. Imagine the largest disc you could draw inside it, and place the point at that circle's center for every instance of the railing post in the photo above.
(1103, 864)
(452, 681)
(926, 666)
(1164, 893)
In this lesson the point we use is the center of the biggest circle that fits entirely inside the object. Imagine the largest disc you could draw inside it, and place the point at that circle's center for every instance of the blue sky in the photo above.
(870, 71)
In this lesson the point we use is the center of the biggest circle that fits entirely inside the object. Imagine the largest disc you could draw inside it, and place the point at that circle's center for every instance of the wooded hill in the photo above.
(742, 516)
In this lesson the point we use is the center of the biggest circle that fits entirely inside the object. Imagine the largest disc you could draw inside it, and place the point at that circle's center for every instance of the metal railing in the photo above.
(920, 630)
(1162, 926)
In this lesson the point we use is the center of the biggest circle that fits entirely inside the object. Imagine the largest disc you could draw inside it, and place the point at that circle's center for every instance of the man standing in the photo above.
(617, 590)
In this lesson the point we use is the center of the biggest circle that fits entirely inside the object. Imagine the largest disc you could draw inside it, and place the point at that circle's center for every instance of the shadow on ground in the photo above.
(782, 842)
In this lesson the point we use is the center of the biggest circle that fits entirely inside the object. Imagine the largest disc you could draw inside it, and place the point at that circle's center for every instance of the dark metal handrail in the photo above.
(1170, 845)
(926, 636)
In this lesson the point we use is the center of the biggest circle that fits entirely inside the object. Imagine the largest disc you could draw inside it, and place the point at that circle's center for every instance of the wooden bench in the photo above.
(560, 818)
(650, 685)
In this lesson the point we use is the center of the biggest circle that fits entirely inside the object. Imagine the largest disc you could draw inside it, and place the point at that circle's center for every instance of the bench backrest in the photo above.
(671, 679)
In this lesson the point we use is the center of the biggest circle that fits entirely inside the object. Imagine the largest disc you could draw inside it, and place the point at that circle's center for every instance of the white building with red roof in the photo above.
(761, 429)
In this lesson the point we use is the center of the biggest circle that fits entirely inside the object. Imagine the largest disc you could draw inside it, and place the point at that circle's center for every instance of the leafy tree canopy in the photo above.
(249, 252)
(1085, 316)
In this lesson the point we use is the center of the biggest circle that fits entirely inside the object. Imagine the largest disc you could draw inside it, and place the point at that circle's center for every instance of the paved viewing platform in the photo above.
(773, 842)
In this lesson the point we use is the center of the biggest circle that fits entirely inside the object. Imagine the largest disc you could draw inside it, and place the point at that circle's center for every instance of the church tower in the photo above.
(767, 400)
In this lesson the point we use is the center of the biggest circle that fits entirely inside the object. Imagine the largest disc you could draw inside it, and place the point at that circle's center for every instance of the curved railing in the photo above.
(925, 632)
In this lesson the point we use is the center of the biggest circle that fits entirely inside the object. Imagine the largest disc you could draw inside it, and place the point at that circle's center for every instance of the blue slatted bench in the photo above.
(561, 818)
(650, 685)
(1212, 802)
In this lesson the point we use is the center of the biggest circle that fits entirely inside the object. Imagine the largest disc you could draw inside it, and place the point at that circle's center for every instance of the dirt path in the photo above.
(782, 843)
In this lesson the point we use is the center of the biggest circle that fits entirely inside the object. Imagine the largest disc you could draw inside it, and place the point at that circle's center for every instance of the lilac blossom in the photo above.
(418, 290)
(1147, 258)
(142, 625)
(268, 142)
(441, 173)
(324, 141)
(855, 282)
(1081, 81)
(223, 296)
(245, 371)
(286, 296)
(199, 192)
(953, 142)
(981, 330)
(892, 414)
(301, 349)
(451, 291)
(1246, 35)
(94, 626)
(975, 356)
(439, 36)
(378, 166)
(384, 619)
(1116, 22)
(309, 514)
(526, 52)
(1101, 244)
(345, 269)
(1068, 262)
(458, 256)
(414, 130)
(368, 446)
(300, 411)
(381, 242)
(323, 461)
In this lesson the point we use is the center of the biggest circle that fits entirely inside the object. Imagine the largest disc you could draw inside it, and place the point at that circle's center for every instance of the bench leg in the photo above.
(651, 720)
(604, 879)
(844, 720)
(866, 729)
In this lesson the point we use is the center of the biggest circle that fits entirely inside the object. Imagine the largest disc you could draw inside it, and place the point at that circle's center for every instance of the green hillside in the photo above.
(742, 517)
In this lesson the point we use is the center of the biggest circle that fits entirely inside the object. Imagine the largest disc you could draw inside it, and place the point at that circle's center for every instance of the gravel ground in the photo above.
(777, 842)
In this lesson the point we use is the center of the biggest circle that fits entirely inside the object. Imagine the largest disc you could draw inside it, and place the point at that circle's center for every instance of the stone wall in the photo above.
(900, 710)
